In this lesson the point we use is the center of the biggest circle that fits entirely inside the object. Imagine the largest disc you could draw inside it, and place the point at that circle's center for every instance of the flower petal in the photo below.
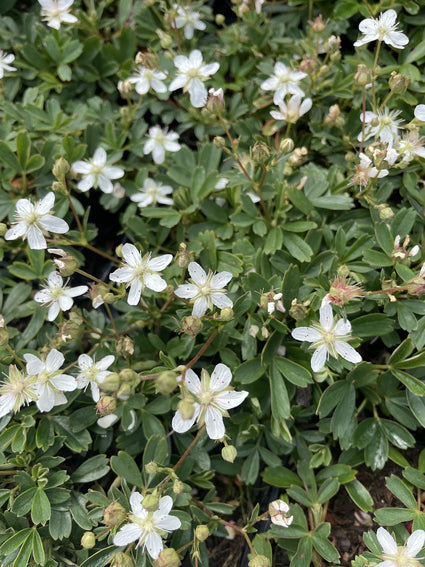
(347, 352)
(214, 423)
(318, 360)
(306, 334)
(220, 378)
(192, 382)
(415, 543)
(135, 292)
(197, 273)
(387, 542)
(127, 534)
(54, 360)
(160, 262)
(229, 400)
(326, 317)
(220, 280)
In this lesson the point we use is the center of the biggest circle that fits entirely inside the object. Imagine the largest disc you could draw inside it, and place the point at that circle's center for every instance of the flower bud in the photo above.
(220, 19)
(118, 250)
(66, 264)
(122, 560)
(61, 168)
(386, 213)
(333, 45)
(114, 514)
(229, 453)
(111, 383)
(260, 152)
(124, 392)
(151, 467)
(398, 83)
(318, 25)
(298, 311)
(183, 257)
(128, 376)
(191, 325)
(278, 510)
(151, 502)
(202, 532)
(265, 332)
(259, 561)
(178, 486)
(168, 558)
(124, 346)
(186, 408)
(219, 142)
(106, 405)
(165, 39)
(88, 540)
(124, 88)
(215, 102)
(59, 187)
(362, 76)
(166, 382)
(226, 313)
(3, 228)
(286, 145)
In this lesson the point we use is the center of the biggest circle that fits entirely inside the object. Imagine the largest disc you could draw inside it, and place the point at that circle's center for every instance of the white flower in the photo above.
(159, 141)
(93, 373)
(32, 220)
(382, 29)
(148, 527)
(50, 383)
(205, 290)
(328, 337)
(383, 124)
(401, 253)
(276, 303)
(16, 391)
(293, 109)
(278, 510)
(284, 81)
(96, 173)
(152, 193)
(187, 19)
(365, 171)
(5, 59)
(146, 79)
(139, 272)
(420, 112)
(213, 397)
(400, 556)
(57, 295)
(411, 145)
(56, 11)
(191, 74)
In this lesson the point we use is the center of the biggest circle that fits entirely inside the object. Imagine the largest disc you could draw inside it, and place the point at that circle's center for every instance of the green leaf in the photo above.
(413, 362)
(250, 468)
(281, 407)
(23, 149)
(302, 557)
(393, 516)
(101, 558)
(14, 541)
(124, 466)
(92, 469)
(376, 452)
(249, 371)
(299, 200)
(290, 285)
(297, 247)
(293, 372)
(324, 548)
(341, 419)
(384, 237)
(274, 240)
(60, 524)
(9, 158)
(22, 504)
(331, 397)
(397, 434)
(40, 510)
(417, 406)
(22, 559)
(34, 163)
(359, 495)
(375, 258)
(156, 450)
(37, 548)
(401, 491)
(417, 53)
(372, 325)
(401, 352)
(328, 490)
(280, 476)
(412, 383)
(415, 477)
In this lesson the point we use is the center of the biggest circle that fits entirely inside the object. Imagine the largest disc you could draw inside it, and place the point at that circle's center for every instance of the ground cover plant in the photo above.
(212, 282)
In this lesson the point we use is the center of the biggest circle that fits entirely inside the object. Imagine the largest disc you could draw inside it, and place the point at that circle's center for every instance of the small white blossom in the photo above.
(213, 397)
(57, 296)
(160, 141)
(278, 510)
(146, 79)
(205, 290)
(383, 124)
(189, 20)
(191, 74)
(54, 12)
(93, 373)
(411, 145)
(328, 338)
(400, 252)
(382, 29)
(5, 59)
(284, 81)
(32, 220)
(293, 109)
(49, 382)
(400, 556)
(420, 112)
(139, 272)
(275, 304)
(147, 528)
(16, 391)
(96, 172)
(366, 171)
(152, 193)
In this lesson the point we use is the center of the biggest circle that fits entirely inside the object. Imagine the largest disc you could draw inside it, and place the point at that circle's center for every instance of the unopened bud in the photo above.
(122, 560)
(178, 486)
(219, 142)
(333, 44)
(298, 311)
(343, 271)
(59, 187)
(183, 257)
(151, 467)
(166, 382)
(386, 213)
(66, 264)
(106, 405)
(286, 145)
(260, 152)
(124, 346)
(151, 502)
(124, 392)
(259, 561)
(265, 332)
(165, 39)
(186, 408)
(215, 102)
(318, 25)
(191, 325)
(61, 168)
(124, 88)
(202, 532)
(118, 250)
(398, 83)
(128, 376)
(168, 558)
(362, 76)
(114, 514)
(88, 540)
(3, 228)
(111, 383)
(220, 19)
(226, 313)
(229, 453)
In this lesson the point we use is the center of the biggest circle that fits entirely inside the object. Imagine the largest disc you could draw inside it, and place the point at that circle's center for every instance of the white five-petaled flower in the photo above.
(189, 20)
(213, 397)
(384, 125)
(16, 391)
(205, 290)
(411, 145)
(96, 172)
(284, 81)
(54, 12)
(382, 29)
(93, 373)
(191, 74)
(365, 171)
(278, 510)
(146, 79)
(49, 382)
(57, 295)
(152, 193)
(328, 338)
(32, 220)
(293, 109)
(400, 556)
(139, 272)
(160, 141)
(147, 527)
(5, 59)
